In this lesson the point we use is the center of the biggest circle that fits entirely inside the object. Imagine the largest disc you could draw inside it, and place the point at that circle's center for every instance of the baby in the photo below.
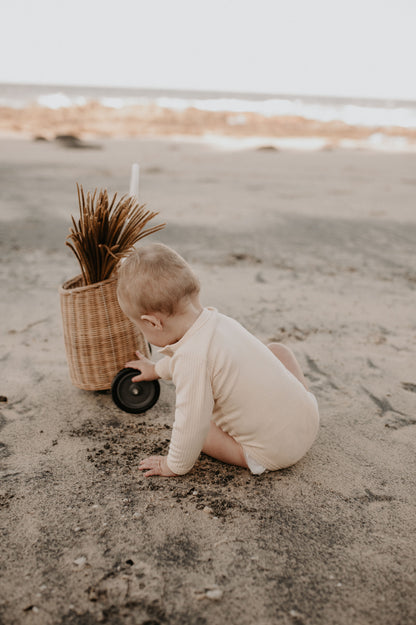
(236, 399)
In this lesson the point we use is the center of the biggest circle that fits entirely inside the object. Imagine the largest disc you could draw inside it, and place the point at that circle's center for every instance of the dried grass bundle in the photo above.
(106, 232)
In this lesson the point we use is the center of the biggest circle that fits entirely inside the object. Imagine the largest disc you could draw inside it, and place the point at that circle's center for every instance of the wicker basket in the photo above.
(99, 338)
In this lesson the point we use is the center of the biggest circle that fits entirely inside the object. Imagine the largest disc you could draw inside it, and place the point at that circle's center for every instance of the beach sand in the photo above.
(95, 120)
(316, 250)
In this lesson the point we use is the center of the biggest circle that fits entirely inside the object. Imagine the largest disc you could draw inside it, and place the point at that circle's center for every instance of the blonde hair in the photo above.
(155, 278)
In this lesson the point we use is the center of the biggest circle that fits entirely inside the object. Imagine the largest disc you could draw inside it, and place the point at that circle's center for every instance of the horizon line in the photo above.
(211, 92)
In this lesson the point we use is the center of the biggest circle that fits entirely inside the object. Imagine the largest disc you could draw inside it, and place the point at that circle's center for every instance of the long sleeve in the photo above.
(193, 413)
(162, 368)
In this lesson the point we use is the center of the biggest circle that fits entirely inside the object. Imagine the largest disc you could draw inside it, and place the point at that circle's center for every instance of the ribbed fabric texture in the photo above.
(224, 373)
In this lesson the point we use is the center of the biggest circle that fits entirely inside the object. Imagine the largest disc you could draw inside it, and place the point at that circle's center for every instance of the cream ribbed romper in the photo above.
(225, 374)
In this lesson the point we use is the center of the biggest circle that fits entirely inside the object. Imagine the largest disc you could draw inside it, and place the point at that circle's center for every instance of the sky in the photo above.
(347, 48)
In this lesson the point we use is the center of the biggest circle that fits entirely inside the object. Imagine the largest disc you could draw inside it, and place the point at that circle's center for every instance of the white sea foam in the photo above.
(60, 100)
(349, 113)
(354, 114)
(377, 114)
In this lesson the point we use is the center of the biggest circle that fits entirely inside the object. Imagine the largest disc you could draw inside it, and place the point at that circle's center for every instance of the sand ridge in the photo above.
(93, 120)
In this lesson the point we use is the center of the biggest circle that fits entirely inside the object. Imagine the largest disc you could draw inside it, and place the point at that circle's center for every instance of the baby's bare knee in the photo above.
(288, 359)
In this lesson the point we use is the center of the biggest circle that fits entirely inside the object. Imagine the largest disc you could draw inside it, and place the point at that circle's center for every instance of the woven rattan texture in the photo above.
(99, 338)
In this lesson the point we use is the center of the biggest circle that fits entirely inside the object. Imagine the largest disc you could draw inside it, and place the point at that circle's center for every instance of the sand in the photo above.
(95, 120)
(316, 250)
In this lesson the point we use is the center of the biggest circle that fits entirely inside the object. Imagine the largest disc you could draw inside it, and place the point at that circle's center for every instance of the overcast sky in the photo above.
(328, 47)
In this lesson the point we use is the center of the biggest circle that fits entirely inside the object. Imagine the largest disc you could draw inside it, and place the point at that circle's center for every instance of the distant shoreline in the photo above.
(93, 120)
(202, 94)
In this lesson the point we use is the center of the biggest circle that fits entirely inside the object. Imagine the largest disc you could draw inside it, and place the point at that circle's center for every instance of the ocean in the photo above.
(353, 111)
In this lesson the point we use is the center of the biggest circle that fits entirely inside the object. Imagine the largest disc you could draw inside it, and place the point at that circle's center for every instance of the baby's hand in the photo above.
(156, 465)
(146, 368)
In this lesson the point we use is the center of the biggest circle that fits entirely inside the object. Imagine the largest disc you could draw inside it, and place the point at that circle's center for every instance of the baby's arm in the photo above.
(146, 367)
(193, 413)
(154, 465)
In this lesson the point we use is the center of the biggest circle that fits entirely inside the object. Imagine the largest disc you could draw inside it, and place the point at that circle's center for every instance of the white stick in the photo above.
(134, 181)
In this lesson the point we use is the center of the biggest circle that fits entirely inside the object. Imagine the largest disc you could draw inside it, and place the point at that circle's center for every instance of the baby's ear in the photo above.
(154, 321)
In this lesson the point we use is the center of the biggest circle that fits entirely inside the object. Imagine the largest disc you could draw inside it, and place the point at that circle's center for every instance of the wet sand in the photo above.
(316, 250)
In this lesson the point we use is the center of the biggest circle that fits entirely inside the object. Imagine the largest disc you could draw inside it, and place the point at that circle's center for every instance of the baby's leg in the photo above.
(288, 359)
(224, 447)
